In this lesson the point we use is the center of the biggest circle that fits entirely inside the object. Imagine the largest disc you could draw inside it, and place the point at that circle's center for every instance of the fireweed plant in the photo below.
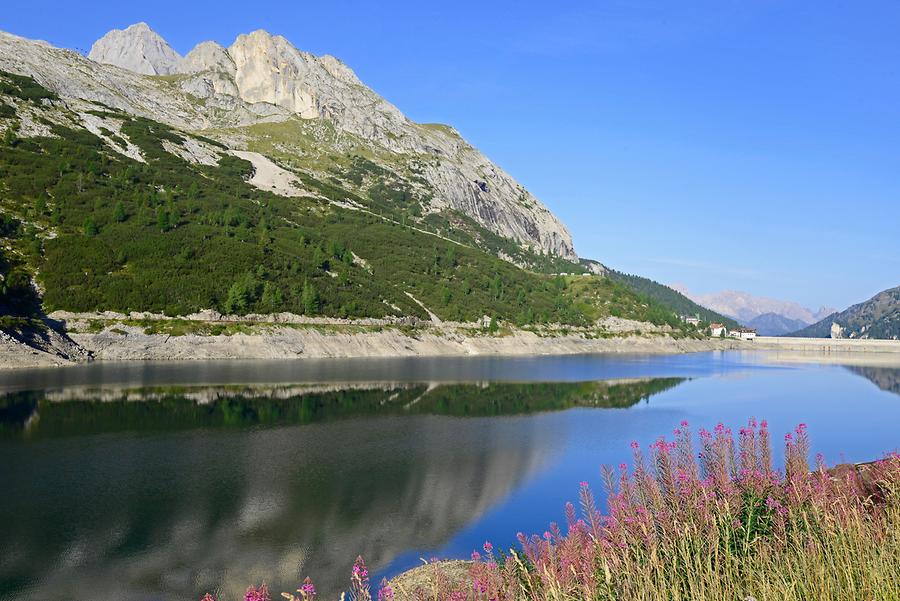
(710, 522)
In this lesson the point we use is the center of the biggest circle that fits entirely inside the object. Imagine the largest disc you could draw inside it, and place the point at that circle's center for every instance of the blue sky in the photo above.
(752, 145)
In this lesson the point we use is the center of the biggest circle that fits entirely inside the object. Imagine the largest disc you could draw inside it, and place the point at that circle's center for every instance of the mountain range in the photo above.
(769, 316)
(307, 101)
(258, 178)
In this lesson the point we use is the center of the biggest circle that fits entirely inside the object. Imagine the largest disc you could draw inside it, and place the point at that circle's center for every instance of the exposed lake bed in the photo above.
(183, 477)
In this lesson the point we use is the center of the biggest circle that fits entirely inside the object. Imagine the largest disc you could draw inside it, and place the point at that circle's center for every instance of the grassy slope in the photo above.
(105, 232)
(389, 184)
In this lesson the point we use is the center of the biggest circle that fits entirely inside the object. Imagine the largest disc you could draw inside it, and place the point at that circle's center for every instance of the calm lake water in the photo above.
(161, 481)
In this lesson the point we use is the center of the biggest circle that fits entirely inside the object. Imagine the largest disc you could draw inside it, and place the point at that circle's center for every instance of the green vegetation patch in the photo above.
(24, 88)
(171, 237)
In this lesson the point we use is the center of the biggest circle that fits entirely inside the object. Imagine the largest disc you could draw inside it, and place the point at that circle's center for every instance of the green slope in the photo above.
(878, 317)
(101, 231)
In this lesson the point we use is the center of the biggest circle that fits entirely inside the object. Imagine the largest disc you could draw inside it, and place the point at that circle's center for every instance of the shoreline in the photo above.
(129, 343)
(144, 337)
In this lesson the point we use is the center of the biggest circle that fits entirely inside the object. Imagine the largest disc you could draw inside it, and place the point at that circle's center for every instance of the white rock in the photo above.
(136, 48)
(207, 56)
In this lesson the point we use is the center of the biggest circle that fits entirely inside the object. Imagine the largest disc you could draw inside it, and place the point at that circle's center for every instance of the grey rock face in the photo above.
(269, 69)
(136, 48)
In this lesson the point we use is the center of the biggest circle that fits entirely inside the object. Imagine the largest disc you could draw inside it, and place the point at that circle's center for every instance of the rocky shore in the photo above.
(111, 337)
(210, 336)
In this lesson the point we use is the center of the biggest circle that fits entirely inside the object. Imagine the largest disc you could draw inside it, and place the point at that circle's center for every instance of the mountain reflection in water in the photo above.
(886, 378)
(166, 492)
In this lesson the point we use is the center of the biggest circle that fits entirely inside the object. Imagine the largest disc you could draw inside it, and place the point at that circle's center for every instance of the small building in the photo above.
(717, 330)
(743, 334)
(693, 321)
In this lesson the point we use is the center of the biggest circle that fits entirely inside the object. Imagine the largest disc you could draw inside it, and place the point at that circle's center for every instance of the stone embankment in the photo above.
(827, 345)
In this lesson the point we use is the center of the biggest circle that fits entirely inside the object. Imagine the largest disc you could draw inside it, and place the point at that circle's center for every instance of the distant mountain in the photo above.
(666, 295)
(745, 307)
(878, 317)
(773, 324)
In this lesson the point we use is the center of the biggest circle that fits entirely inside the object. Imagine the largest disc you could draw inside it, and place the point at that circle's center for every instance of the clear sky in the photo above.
(748, 144)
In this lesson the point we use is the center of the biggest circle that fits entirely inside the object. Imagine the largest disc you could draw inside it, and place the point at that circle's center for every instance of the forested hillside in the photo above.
(99, 230)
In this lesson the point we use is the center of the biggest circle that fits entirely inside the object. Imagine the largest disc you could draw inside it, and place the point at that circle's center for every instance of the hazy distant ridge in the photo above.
(745, 307)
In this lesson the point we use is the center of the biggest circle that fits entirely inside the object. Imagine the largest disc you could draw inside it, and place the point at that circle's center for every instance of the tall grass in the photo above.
(710, 522)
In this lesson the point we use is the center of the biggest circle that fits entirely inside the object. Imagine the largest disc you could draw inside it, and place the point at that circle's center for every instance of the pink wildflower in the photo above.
(385, 592)
(307, 590)
(359, 581)
(257, 594)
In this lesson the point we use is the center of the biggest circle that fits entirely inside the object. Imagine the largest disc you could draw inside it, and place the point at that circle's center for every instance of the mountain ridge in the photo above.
(745, 306)
(875, 318)
(273, 82)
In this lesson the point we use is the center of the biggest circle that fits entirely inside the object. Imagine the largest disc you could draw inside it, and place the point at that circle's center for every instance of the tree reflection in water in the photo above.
(164, 492)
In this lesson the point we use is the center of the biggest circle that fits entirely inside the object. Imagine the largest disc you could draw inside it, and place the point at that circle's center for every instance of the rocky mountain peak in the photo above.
(136, 48)
(207, 56)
